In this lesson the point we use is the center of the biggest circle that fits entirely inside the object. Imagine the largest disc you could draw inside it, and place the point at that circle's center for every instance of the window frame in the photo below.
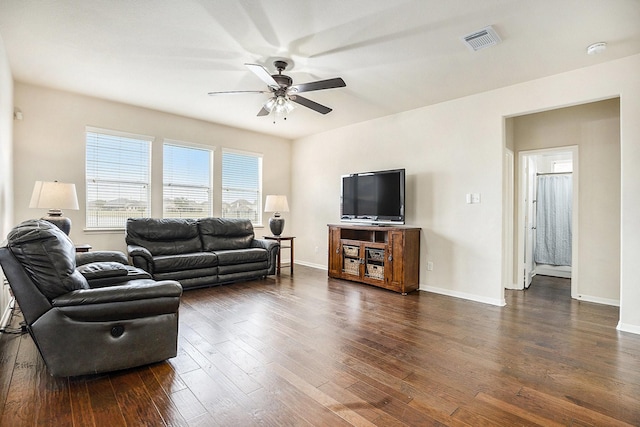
(259, 203)
(147, 182)
(192, 146)
(562, 166)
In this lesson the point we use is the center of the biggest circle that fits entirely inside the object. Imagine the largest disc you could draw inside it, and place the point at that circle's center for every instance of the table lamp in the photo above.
(55, 196)
(276, 204)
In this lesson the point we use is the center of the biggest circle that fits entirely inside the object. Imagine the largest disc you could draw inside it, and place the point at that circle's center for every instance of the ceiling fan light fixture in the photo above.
(270, 104)
(280, 105)
(283, 105)
(284, 92)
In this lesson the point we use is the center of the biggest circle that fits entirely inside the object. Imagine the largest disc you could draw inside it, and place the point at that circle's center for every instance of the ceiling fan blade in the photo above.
(236, 92)
(263, 75)
(319, 85)
(263, 112)
(311, 104)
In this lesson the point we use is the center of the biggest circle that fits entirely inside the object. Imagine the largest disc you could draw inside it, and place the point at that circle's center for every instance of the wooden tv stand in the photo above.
(383, 256)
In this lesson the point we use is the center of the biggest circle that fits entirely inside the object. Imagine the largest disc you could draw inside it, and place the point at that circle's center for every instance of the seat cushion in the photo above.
(48, 256)
(189, 261)
(241, 256)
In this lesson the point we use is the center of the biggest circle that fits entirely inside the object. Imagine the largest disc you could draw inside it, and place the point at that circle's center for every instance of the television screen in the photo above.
(376, 197)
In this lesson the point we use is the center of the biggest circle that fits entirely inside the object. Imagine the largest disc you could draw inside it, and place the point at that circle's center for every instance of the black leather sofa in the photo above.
(92, 314)
(199, 252)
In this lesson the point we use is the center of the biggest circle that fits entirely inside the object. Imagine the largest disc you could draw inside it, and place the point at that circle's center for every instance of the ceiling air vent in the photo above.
(480, 39)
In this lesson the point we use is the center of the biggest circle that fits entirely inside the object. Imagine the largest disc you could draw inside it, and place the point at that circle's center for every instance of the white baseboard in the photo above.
(312, 265)
(6, 314)
(625, 327)
(552, 270)
(463, 295)
(598, 300)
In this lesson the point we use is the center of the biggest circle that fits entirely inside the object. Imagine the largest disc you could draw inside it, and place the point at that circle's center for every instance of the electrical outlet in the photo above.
(429, 266)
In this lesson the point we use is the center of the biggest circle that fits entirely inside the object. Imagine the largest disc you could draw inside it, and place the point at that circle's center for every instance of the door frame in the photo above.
(523, 157)
(508, 206)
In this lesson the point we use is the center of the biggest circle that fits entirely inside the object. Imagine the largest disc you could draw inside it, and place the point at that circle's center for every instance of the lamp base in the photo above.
(276, 224)
(62, 222)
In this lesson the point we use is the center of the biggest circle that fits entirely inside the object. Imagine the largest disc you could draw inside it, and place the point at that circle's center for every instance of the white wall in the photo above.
(6, 186)
(50, 145)
(446, 155)
(454, 148)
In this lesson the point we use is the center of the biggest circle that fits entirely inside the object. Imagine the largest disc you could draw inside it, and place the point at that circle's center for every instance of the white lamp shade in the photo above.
(276, 203)
(54, 195)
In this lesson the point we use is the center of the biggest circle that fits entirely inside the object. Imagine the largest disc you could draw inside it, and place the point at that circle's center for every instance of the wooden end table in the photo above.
(280, 239)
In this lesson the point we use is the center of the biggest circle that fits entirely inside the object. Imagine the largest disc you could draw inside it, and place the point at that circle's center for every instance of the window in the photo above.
(562, 166)
(117, 173)
(186, 191)
(242, 186)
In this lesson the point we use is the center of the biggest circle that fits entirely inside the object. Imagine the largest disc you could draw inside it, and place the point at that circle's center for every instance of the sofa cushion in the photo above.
(225, 233)
(241, 256)
(48, 256)
(180, 262)
(166, 236)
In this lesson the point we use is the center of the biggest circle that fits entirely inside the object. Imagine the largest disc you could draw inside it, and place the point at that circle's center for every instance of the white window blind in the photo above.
(242, 186)
(186, 182)
(117, 173)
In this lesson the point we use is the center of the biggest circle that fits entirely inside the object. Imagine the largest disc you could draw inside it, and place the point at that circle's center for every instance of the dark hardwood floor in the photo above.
(313, 351)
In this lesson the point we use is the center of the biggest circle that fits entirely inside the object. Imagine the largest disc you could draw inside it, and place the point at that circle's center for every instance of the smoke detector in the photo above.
(481, 39)
(596, 48)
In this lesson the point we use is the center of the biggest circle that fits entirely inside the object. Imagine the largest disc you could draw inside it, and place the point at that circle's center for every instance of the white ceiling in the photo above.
(393, 55)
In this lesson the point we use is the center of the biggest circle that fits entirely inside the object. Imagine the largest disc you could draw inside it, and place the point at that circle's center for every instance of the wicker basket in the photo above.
(352, 266)
(350, 250)
(376, 254)
(375, 271)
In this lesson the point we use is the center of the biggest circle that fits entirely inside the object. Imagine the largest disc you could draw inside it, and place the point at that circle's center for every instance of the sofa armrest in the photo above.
(132, 291)
(101, 256)
(134, 300)
(108, 273)
(102, 269)
(141, 257)
(265, 244)
(272, 247)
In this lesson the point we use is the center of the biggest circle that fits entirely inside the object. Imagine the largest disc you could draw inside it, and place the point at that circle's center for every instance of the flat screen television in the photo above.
(373, 197)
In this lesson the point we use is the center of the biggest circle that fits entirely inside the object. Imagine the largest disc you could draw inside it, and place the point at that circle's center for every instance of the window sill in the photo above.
(122, 230)
(103, 230)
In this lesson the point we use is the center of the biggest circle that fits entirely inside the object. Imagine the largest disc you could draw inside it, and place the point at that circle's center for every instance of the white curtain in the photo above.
(553, 220)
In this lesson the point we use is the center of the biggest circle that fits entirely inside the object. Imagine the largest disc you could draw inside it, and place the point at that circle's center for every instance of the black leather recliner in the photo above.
(94, 315)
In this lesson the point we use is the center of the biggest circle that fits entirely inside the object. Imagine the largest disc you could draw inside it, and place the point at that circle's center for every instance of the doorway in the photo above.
(592, 133)
(548, 215)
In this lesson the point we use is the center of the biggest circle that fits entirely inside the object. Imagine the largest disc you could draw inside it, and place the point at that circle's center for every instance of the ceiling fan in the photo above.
(284, 91)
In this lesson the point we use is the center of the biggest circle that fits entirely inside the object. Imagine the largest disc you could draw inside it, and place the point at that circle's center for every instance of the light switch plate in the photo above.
(473, 198)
